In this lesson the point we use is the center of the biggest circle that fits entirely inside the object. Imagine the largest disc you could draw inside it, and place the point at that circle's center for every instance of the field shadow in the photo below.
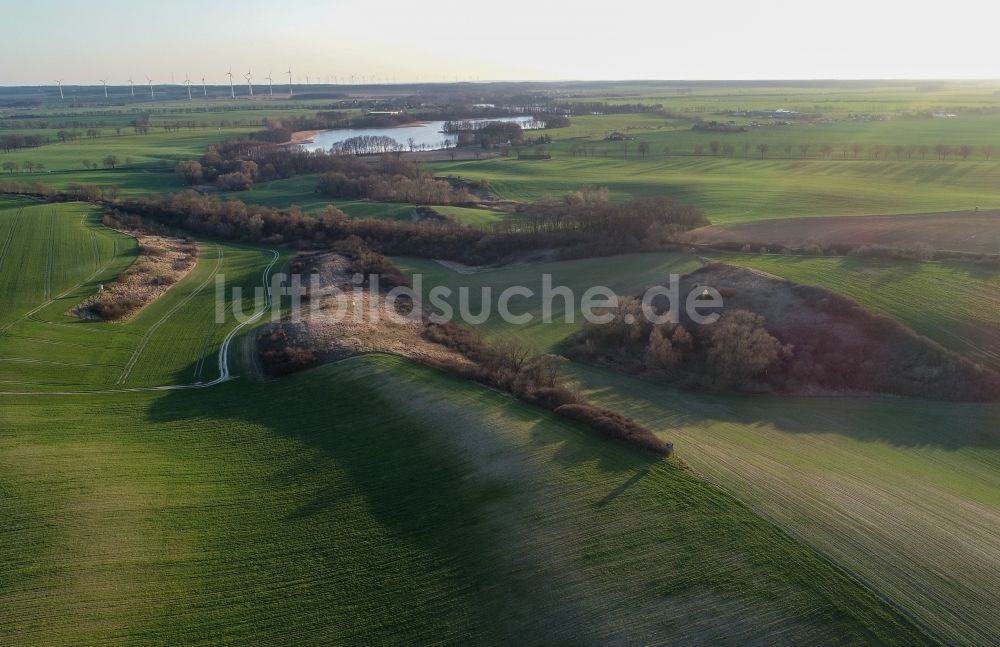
(344, 439)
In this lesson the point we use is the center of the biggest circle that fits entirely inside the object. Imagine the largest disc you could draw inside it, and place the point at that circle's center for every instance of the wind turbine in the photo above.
(105, 82)
(131, 86)
(232, 89)
(204, 88)
(187, 82)
(249, 77)
(270, 90)
(59, 83)
(150, 82)
(291, 92)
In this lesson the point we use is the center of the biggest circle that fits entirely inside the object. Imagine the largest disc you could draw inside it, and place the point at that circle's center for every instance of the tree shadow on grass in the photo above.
(896, 421)
(345, 439)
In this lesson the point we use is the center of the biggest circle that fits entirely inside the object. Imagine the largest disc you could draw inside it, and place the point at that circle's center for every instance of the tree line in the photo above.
(803, 150)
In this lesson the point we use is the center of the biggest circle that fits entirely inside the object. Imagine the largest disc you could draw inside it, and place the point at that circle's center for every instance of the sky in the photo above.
(436, 40)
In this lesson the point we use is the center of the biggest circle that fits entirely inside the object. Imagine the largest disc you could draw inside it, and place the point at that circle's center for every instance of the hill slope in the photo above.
(375, 499)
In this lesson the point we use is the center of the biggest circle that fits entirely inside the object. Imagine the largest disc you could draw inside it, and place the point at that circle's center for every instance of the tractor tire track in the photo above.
(14, 222)
(47, 284)
(50, 300)
(146, 338)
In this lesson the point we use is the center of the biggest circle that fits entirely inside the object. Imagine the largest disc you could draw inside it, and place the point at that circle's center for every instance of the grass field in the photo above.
(738, 190)
(374, 501)
(331, 507)
(300, 191)
(870, 481)
(61, 254)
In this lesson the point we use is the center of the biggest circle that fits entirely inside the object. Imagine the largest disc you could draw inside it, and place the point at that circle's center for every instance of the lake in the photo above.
(426, 135)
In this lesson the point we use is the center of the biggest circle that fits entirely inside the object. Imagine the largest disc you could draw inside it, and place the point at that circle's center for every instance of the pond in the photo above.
(424, 135)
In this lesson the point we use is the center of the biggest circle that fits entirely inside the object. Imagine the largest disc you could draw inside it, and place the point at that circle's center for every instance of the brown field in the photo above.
(976, 232)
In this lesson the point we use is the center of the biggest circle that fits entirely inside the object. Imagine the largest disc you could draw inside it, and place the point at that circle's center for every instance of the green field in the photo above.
(145, 499)
(870, 481)
(330, 508)
(300, 191)
(738, 190)
(61, 254)
(265, 496)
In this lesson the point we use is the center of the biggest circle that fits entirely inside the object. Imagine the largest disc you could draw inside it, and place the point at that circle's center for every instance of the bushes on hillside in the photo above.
(281, 355)
(614, 425)
(816, 341)
(735, 353)
(189, 171)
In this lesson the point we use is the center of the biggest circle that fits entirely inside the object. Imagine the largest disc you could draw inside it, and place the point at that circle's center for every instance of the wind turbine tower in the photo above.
(187, 82)
(151, 93)
(270, 90)
(105, 83)
(59, 83)
(131, 86)
(232, 89)
(204, 88)
(249, 77)
(291, 92)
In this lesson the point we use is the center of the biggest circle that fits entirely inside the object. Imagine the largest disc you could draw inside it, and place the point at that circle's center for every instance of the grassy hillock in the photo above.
(955, 304)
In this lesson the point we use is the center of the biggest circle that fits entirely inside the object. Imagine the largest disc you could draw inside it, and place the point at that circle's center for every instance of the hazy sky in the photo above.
(432, 40)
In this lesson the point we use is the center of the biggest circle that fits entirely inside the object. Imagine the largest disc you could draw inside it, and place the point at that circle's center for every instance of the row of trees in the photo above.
(10, 143)
(28, 166)
(804, 150)
(573, 228)
(367, 145)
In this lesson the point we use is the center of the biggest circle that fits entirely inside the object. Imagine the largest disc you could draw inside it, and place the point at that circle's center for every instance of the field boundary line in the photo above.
(47, 285)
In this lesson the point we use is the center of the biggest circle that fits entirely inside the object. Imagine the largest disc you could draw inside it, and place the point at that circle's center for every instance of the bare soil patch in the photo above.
(304, 136)
(973, 232)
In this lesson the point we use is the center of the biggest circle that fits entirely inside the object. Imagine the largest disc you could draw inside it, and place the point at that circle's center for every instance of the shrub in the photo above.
(615, 425)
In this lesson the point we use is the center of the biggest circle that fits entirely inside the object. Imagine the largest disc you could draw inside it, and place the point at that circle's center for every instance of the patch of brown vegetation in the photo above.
(355, 322)
(163, 261)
